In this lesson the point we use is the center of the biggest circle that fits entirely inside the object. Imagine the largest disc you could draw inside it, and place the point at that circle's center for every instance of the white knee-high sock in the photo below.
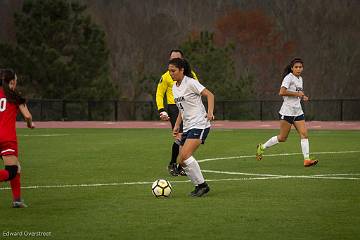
(193, 171)
(271, 142)
(305, 148)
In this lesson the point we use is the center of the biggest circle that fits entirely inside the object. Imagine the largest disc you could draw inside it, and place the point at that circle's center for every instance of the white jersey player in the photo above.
(196, 120)
(291, 112)
(291, 105)
(188, 96)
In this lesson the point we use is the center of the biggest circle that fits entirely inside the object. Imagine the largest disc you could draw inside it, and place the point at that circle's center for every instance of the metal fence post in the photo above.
(41, 110)
(341, 109)
(89, 110)
(152, 111)
(116, 110)
(64, 110)
(223, 110)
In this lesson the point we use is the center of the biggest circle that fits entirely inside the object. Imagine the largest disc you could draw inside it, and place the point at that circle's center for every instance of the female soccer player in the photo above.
(196, 121)
(10, 102)
(164, 88)
(291, 112)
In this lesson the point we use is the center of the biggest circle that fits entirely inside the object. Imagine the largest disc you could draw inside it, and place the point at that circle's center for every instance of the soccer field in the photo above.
(96, 184)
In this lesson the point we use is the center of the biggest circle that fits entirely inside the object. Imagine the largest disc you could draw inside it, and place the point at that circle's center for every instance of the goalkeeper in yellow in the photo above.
(165, 88)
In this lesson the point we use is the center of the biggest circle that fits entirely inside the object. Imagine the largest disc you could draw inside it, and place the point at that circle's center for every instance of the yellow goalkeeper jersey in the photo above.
(165, 87)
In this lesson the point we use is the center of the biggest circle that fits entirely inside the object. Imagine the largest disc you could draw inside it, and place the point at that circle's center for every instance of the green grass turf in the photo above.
(286, 208)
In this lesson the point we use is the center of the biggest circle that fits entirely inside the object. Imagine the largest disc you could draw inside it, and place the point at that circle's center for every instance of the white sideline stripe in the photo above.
(272, 155)
(260, 177)
(43, 135)
(133, 183)
(87, 185)
(336, 178)
(323, 176)
(240, 173)
(337, 174)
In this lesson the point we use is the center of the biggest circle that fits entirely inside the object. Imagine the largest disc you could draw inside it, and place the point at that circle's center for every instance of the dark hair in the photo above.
(288, 70)
(177, 50)
(182, 64)
(13, 96)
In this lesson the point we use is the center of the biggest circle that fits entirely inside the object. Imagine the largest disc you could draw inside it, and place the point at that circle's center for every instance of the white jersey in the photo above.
(187, 97)
(291, 105)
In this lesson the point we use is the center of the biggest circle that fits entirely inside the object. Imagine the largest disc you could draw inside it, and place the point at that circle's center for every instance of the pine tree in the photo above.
(59, 52)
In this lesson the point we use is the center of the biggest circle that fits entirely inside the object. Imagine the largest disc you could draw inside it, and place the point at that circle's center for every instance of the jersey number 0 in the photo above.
(2, 104)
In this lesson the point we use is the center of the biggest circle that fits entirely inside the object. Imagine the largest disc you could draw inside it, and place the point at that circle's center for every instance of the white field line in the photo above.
(272, 155)
(88, 185)
(259, 177)
(245, 174)
(337, 174)
(323, 176)
(43, 135)
(133, 183)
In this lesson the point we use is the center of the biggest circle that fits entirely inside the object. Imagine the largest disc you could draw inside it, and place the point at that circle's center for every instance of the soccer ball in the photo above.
(161, 188)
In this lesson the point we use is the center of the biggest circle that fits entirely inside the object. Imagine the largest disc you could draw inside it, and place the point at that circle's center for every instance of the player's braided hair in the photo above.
(288, 70)
(182, 64)
(13, 96)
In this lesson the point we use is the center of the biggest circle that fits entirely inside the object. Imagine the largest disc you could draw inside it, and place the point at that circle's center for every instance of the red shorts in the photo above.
(9, 148)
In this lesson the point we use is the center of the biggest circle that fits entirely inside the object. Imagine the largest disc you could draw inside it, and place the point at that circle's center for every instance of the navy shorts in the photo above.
(292, 119)
(195, 133)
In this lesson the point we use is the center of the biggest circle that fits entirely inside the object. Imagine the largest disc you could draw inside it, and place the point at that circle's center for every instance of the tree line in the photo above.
(118, 49)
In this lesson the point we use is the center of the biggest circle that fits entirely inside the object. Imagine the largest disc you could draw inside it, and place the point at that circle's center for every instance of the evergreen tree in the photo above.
(60, 52)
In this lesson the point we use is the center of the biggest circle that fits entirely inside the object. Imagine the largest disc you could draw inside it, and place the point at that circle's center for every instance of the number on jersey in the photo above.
(2, 104)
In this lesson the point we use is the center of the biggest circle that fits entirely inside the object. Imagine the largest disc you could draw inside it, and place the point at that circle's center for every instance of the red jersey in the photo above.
(8, 112)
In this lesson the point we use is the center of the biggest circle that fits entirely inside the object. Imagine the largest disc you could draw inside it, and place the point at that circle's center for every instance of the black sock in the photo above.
(174, 153)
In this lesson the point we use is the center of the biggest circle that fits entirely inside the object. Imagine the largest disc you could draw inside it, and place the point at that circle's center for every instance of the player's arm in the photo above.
(176, 128)
(210, 99)
(27, 115)
(284, 92)
(160, 94)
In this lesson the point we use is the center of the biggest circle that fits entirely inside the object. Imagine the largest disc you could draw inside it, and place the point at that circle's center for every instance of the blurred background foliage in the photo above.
(97, 50)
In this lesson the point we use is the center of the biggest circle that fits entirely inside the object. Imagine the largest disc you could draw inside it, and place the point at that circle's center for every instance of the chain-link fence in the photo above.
(79, 110)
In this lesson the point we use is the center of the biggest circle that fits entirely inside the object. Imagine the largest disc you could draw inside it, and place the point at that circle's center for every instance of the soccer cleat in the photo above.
(19, 204)
(200, 190)
(172, 168)
(259, 151)
(310, 162)
(194, 191)
(181, 171)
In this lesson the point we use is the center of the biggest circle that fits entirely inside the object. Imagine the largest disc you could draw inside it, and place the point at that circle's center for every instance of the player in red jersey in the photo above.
(10, 103)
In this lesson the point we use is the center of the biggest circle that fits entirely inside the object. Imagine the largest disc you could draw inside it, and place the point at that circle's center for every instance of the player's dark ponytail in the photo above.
(182, 64)
(13, 96)
(187, 69)
(288, 70)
